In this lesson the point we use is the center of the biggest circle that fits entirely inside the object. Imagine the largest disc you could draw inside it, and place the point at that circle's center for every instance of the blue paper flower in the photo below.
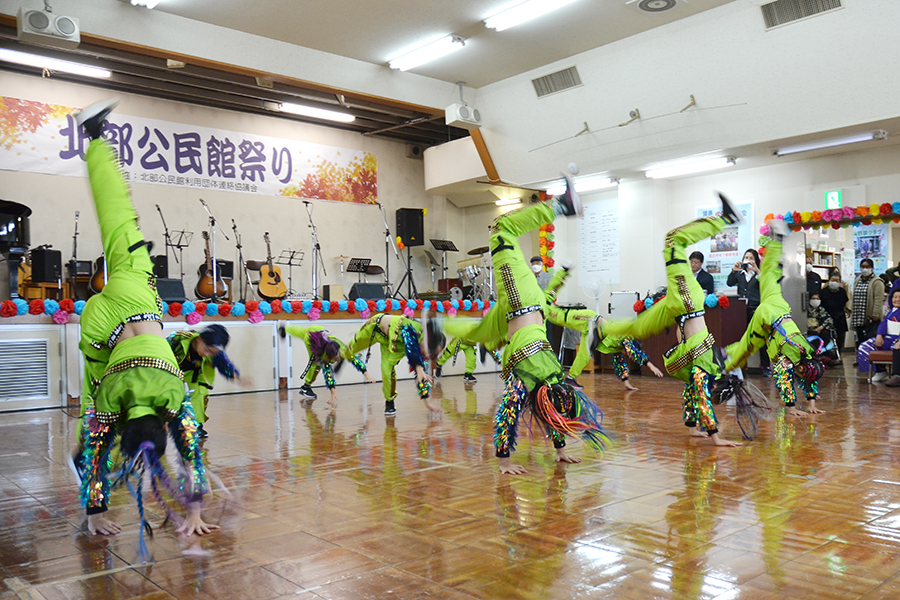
(380, 305)
(895, 208)
(648, 302)
(326, 306)
(440, 307)
(789, 218)
(342, 305)
(51, 306)
(238, 309)
(78, 311)
(306, 306)
(426, 305)
(360, 304)
(21, 307)
(454, 303)
(212, 309)
(286, 306)
(467, 305)
(395, 304)
(411, 304)
(711, 300)
(188, 307)
(79, 306)
(265, 308)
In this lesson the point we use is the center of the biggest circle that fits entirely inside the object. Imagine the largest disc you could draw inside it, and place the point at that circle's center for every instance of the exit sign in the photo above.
(833, 200)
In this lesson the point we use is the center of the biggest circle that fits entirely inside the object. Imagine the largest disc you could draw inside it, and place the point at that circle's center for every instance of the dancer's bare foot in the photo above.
(194, 523)
(726, 443)
(630, 387)
(696, 432)
(796, 412)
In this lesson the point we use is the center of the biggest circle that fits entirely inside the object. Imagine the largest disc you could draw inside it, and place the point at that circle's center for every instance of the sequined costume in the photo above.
(692, 359)
(320, 361)
(199, 371)
(454, 347)
(623, 351)
(533, 375)
(401, 340)
(773, 327)
(137, 376)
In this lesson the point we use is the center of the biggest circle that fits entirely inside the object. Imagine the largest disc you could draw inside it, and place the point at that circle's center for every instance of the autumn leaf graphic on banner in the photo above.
(357, 182)
(21, 117)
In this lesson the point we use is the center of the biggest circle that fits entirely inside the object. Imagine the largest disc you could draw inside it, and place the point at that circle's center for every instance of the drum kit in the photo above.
(478, 274)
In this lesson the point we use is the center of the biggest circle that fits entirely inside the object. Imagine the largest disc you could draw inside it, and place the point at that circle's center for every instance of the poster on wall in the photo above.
(598, 244)
(870, 241)
(726, 247)
(42, 138)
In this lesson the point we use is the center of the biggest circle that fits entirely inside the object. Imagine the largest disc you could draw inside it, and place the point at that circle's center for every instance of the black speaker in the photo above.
(46, 265)
(411, 226)
(226, 268)
(160, 266)
(170, 290)
(366, 291)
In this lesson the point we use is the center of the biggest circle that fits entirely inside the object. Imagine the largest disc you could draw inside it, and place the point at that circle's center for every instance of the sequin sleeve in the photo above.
(94, 461)
(224, 365)
(634, 353)
(507, 415)
(184, 433)
(328, 372)
(356, 362)
(411, 345)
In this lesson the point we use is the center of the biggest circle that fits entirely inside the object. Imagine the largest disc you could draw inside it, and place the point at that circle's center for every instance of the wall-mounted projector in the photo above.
(46, 29)
(462, 115)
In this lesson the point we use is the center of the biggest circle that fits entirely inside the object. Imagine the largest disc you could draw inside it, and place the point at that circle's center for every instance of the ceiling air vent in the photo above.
(556, 82)
(24, 370)
(781, 12)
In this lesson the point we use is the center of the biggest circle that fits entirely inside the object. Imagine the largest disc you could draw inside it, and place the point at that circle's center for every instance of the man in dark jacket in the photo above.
(703, 278)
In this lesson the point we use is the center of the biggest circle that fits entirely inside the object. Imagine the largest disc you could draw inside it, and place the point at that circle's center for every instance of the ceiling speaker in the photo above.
(462, 115)
(47, 29)
(655, 5)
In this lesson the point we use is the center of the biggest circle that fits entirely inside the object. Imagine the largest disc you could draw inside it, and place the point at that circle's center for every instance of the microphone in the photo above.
(76, 215)
(202, 201)
(307, 202)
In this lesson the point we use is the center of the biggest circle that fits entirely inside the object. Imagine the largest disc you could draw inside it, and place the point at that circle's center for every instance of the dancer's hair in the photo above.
(144, 429)
(215, 335)
(322, 345)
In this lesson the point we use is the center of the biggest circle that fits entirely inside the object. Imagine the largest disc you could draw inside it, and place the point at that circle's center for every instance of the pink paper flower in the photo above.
(256, 316)
(314, 314)
(408, 312)
(193, 318)
(61, 317)
(451, 312)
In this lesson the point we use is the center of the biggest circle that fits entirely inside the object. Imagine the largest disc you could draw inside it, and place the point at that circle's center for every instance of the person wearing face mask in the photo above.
(745, 275)
(868, 296)
(887, 337)
(813, 279)
(820, 324)
(836, 302)
(537, 267)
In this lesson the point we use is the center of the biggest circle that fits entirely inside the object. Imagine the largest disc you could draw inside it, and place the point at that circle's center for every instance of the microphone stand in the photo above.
(245, 280)
(317, 252)
(212, 235)
(388, 244)
(73, 264)
(168, 241)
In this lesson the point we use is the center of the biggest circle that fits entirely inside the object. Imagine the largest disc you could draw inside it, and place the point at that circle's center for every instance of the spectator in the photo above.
(703, 278)
(887, 336)
(820, 323)
(537, 267)
(745, 275)
(836, 302)
(813, 279)
(868, 297)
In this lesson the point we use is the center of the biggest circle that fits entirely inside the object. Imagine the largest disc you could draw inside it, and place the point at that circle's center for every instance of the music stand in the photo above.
(434, 265)
(359, 266)
(291, 258)
(179, 240)
(444, 246)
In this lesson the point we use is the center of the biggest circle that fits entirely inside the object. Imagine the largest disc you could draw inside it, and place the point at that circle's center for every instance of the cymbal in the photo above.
(341, 257)
(255, 265)
(477, 251)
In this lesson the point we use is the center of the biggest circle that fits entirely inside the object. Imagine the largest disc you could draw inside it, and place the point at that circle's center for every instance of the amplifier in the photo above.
(160, 266)
(366, 291)
(332, 292)
(170, 290)
(83, 268)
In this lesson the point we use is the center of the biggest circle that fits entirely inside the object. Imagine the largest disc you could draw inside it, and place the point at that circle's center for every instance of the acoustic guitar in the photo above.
(98, 279)
(271, 285)
(205, 288)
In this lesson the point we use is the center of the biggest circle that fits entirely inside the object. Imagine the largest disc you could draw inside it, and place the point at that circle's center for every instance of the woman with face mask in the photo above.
(745, 275)
(820, 324)
(836, 302)
(868, 297)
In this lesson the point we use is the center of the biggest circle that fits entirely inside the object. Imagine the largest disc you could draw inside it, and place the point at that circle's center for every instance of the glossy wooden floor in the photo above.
(354, 505)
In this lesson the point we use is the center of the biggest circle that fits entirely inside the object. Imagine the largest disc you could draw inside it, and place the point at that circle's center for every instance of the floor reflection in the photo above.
(345, 502)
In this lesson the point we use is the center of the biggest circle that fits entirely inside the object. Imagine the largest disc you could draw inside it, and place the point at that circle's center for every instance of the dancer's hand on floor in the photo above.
(333, 401)
(433, 406)
(562, 457)
(194, 523)
(100, 525)
(811, 408)
(369, 378)
(507, 468)
(654, 369)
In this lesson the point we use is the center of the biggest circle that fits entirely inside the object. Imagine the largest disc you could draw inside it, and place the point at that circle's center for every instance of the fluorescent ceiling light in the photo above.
(52, 64)
(147, 3)
(878, 134)
(587, 183)
(508, 201)
(428, 53)
(523, 12)
(316, 113)
(688, 167)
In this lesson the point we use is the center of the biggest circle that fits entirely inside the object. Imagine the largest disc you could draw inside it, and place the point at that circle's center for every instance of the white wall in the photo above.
(349, 229)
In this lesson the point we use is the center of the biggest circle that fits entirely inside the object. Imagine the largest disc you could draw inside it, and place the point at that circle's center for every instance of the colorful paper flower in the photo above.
(255, 316)
(212, 310)
(238, 309)
(639, 306)
(50, 307)
(314, 314)
(276, 307)
(711, 300)
(61, 317)
(724, 302)
(193, 318)
(265, 308)
(67, 305)
(224, 309)
(187, 308)
(79, 306)
(175, 309)
(8, 309)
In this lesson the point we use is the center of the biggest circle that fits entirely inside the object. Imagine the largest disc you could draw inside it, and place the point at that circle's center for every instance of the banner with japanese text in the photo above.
(724, 251)
(42, 138)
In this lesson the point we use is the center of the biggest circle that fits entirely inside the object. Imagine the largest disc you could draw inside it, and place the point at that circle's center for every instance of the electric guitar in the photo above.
(205, 288)
(98, 279)
(271, 285)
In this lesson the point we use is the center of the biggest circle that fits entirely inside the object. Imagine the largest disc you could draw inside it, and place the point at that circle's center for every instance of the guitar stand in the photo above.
(290, 258)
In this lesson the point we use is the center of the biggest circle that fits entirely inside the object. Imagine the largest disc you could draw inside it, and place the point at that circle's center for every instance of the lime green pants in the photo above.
(580, 321)
(455, 346)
